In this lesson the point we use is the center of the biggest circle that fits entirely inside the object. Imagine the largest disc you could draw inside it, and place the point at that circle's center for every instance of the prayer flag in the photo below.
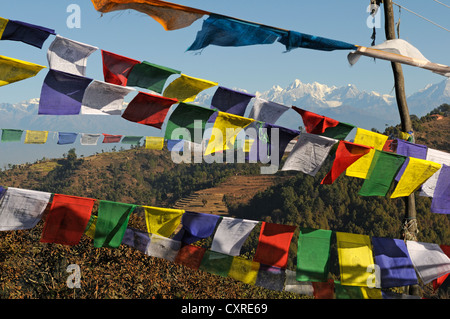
(66, 138)
(90, 227)
(170, 15)
(111, 223)
(162, 221)
(272, 278)
(315, 123)
(35, 137)
(396, 268)
(116, 67)
(11, 135)
(313, 254)
(440, 280)
(346, 154)
(355, 258)
(285, 135)
(89, 139)
(185, 88)
(309, 153)
(190, 117)
(360, 168)
(67, 219)
(69, 56)
(439, 157)
(108, 138)
(273, 245)
(381, 174)
(231, 235)
(231, 101)
(347, 292)
(13, 70)
(136, 238)
(216, 263)
(293, 39)
(25, 32)
(244, 270)
(3, 23)
(339, 131)
(416, 173)
(135, 140)
(409, 149)
(150, 76)
(224, 132)
(229, 32)
(190, 256)
(148, 109)
(267, 111)
(163, 247)
(22, 208)
(324, 290)
(440, 203)
(293, 285)
(154, 143)
(62, 93)
(429, 260)
(196, 226)
(101, 98)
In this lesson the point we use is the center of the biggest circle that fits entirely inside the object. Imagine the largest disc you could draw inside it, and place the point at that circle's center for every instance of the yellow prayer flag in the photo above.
(90, 232)
(371, 293)
(355, 259)
(185, 88)
(248, 145)
(244, 270)
(404, 136)
(162, 221)
(3, 23)
(416, 173)
(154, 142)
(360, 168)
(13, 70)
(36, 137)
(226, 128)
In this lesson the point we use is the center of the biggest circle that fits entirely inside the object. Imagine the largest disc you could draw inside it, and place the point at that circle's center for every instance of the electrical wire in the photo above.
(421, 17)
(442, 3)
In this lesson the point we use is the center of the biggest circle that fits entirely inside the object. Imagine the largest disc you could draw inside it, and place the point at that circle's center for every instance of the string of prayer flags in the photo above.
(154, 142)
(22, 208)
(440, 203)
(69, 56)
(440, 157)
(170, 15)
(267, 111)
(148, 109)
(108, 138)
(309, 153)
(163, 247)
(360, 168)
(187, 117)
(396, 268)
(196, 226)
(111, 223)
(291, 284)
(293, 39)
(270, 277)
(428, 259)
(89, 139)
(231, 101)
(116, 68)
(381, 174)
(162, 221)
(31, 34)
(409, 149)
(313, 254)
(35, 137)
(190, 256)
(216, 263)
(229, 32)
(231, 234)
(67, 219)
(62, 93)
(66, 138)
(102, 98)
(244, 270)
(137, 239)
(150, 76)
(415, 174)
(14, 70)
(273, 245)
(346, 154)
(226, 128)
(185, 88)
(355, 256)
(130, 139)
(11, 135)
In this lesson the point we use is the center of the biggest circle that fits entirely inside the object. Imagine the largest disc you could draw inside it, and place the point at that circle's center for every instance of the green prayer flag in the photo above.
(188, 116)
(135, 140)
(10, 135)
(313, 254)
(150, 76)
(382, 171)
(216, 263)
(347, 292)
(111, 223)
(339, 131)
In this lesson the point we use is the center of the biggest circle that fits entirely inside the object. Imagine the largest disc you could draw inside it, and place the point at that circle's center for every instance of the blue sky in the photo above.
(253, 68)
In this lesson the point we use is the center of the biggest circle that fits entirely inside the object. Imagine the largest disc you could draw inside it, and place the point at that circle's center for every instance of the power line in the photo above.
(422, 17)
(442, 3)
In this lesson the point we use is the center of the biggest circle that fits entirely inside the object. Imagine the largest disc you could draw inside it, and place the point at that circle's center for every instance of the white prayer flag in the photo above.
(439, 157)
(267, 111)
(89, 139)
(300, 287)
(163, 247)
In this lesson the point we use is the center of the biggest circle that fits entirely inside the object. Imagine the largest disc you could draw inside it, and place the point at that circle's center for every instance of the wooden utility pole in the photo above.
(409, 230)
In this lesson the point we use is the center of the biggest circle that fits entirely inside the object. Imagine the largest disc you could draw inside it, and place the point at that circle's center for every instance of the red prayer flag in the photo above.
(273, 245)
(346, 154)
(148, 109)
(389, 146)
(67, 219)
(190, 256)
(323, 290)
(315, 123)
(111, 138)
(116, 67)
(439, 281)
